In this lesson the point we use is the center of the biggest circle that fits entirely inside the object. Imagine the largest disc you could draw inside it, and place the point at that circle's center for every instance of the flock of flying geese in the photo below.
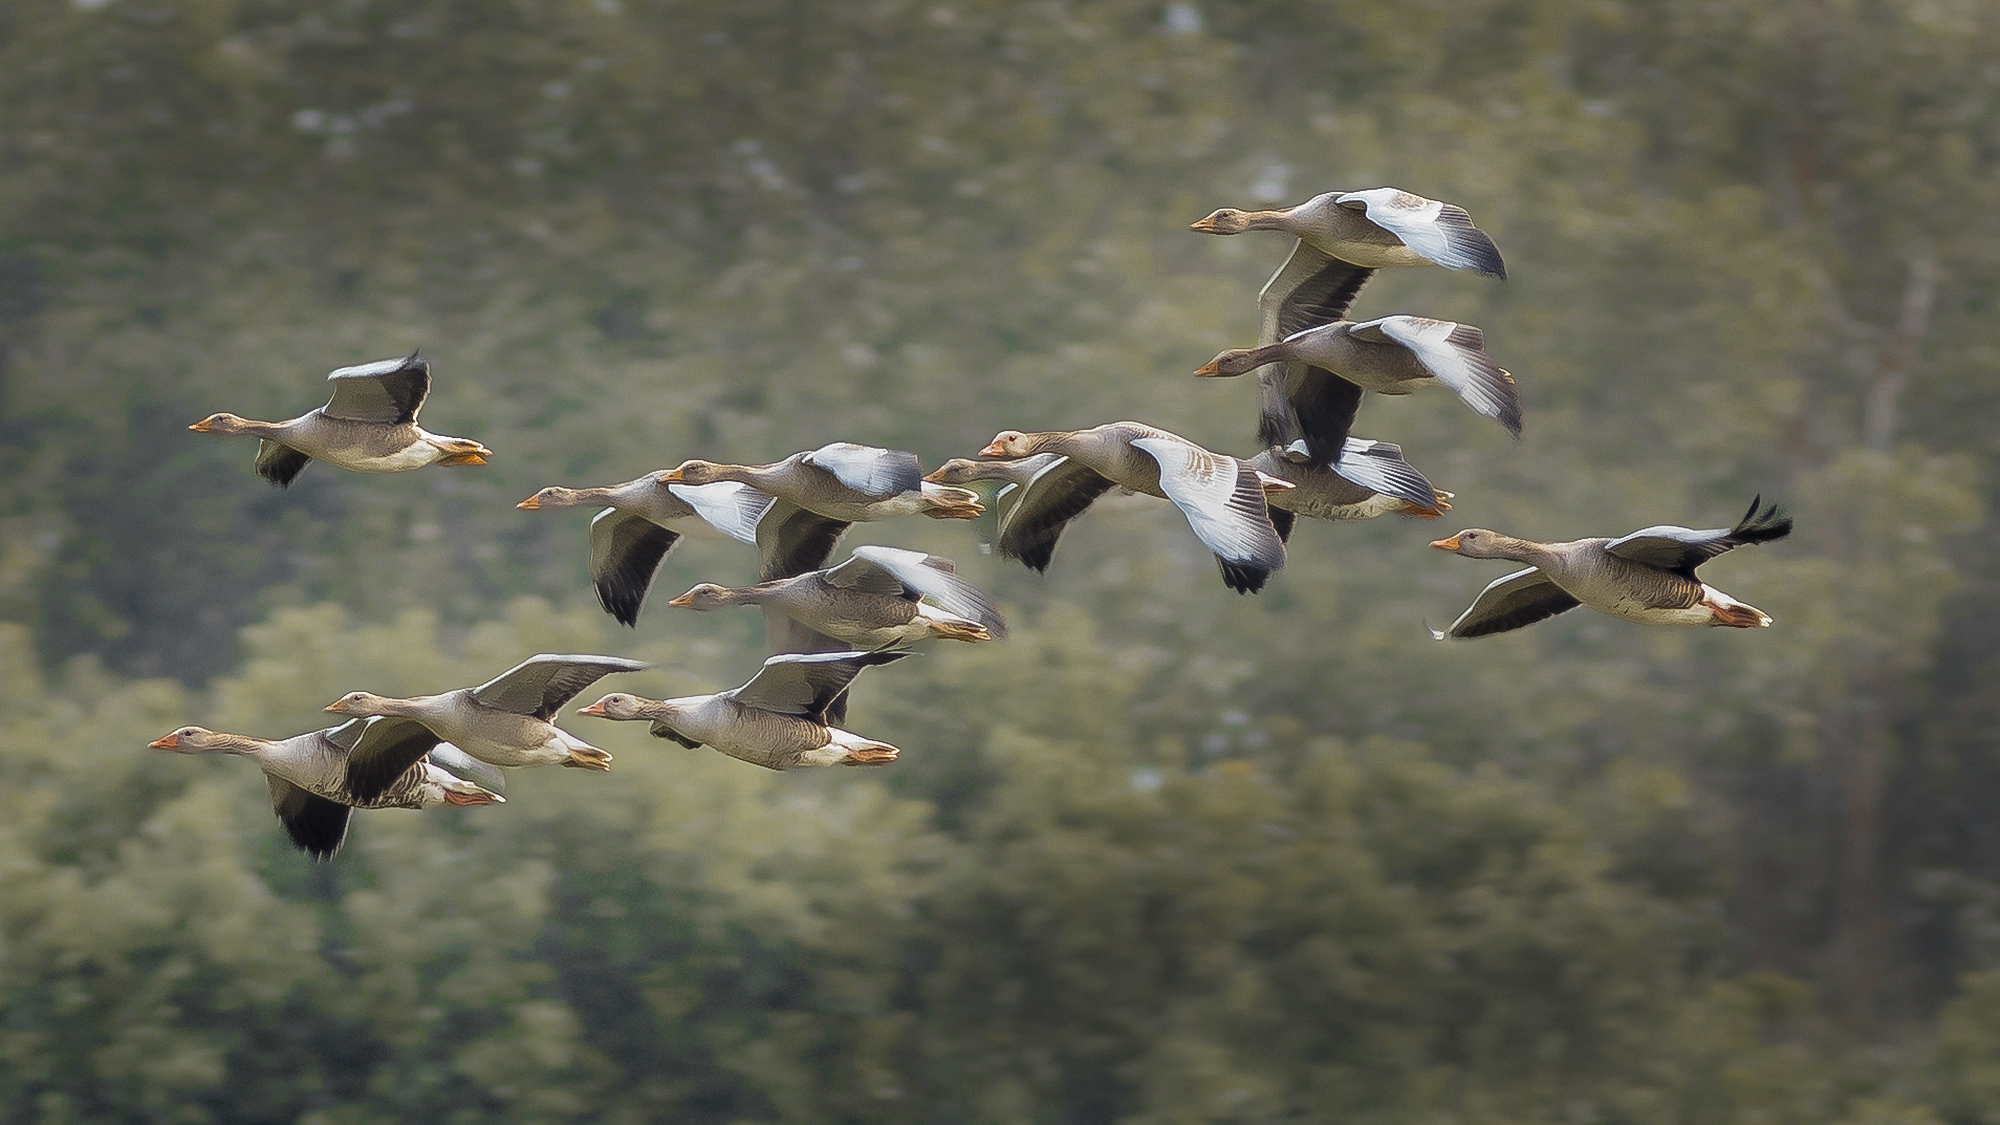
(827, 623)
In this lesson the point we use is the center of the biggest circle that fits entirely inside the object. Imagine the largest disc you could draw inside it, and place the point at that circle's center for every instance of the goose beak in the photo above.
(596, 709)
(200, 427)
(671, 476)
(1208, 370)
(530, 504)
(170, 742)
(337, 707)
(936, 476)
(993, 449)
(1450, 544)
(684, 601)
(1205, 226)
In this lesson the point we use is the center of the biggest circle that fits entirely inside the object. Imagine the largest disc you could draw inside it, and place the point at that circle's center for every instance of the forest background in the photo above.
(1166, 854)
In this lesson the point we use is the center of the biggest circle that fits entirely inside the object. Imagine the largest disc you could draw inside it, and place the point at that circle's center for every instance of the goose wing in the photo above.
(279, 463)
(1521, 598)
(316, 825)
(873, 472)
(1441, 232)
(541, 684)
(1312, 288)
(380, 750)
(483, 774)
(389, 391)
(914, 574)
(1455, 355)
(1324, 404)
(792, 541)
(804, 684)
(1378, 466)
(727, 506)
(1223, 500)
(1681, 549)
(1055, 495)
(625, 553)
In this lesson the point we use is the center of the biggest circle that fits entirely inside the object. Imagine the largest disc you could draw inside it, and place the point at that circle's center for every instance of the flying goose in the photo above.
(642, 521)
(1342, 238)
(1222, 498)
(368, 426)
(504, 721)
(823, 491)
(881, 596)
(1647, 576)
(777, 720)
(1370, 479)
(1327, 368)
(309, 779)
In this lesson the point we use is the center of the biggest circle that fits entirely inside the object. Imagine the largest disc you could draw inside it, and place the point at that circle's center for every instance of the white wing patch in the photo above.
(1411, 218)
(1455, 355)
(879, 473)
(728, 506)
(1210, 490)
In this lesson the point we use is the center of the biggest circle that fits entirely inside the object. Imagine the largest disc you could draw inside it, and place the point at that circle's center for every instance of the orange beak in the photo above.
(935, 476)
(337, 707)
(994, 449)
(171, 742)
(529, 505)
(1208, 370)
(1205, 226)
(684, 601)
(596, 709)
(200, 427)
(1450, 544)
(671, 476)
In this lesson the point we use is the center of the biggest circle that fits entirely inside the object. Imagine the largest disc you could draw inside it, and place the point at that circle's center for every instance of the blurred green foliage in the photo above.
(1166, 855)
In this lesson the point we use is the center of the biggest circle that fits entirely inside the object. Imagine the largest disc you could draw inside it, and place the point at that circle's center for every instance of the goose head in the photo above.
(621, 706)
(694, 472)
(189, 740)
(1009, 443)
(220, 424)
(1478, 543)
(554, 496)
(359, 703)
(1226, 221)
(1235, 361)
(706, 596)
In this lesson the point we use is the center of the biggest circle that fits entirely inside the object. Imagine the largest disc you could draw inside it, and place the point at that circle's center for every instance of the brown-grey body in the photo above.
(1327, 494)
(881, 596)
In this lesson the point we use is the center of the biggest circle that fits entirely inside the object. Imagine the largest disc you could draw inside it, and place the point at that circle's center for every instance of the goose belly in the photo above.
(525, 742)
(1379, 255)
(413, 456)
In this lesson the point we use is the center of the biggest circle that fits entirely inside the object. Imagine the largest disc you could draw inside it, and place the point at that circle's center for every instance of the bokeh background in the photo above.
(1166, 855)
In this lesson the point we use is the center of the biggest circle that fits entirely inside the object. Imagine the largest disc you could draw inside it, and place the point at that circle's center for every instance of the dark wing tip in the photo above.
(1761, 526)
(1244, 578)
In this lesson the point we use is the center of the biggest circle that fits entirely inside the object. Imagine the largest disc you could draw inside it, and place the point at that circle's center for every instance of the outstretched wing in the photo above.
(541, 684)
(1681, 549)
(1521, 598)
(389, 391)
(1223, 500)
(1325, 405)
(804, 684)
(871, 471)
(279, 463)
(1441, 232)
(1043, 508)
(625, 553)
(792, 541)
(316, 825)
(1455, 355)
(382, 750)
(486, 775)
(1378, 466)
(727, 506)
(914, 574)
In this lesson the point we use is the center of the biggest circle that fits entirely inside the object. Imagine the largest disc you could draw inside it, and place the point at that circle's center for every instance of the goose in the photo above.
(1371, 479)
(308, 775)
(1341, 239)
(879, 597)
(1328, 367)
(777, 720)
(822, 491)
(1647, 576)
(368, 426)
(1222, 498)
(503, 722)
(642, 521)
